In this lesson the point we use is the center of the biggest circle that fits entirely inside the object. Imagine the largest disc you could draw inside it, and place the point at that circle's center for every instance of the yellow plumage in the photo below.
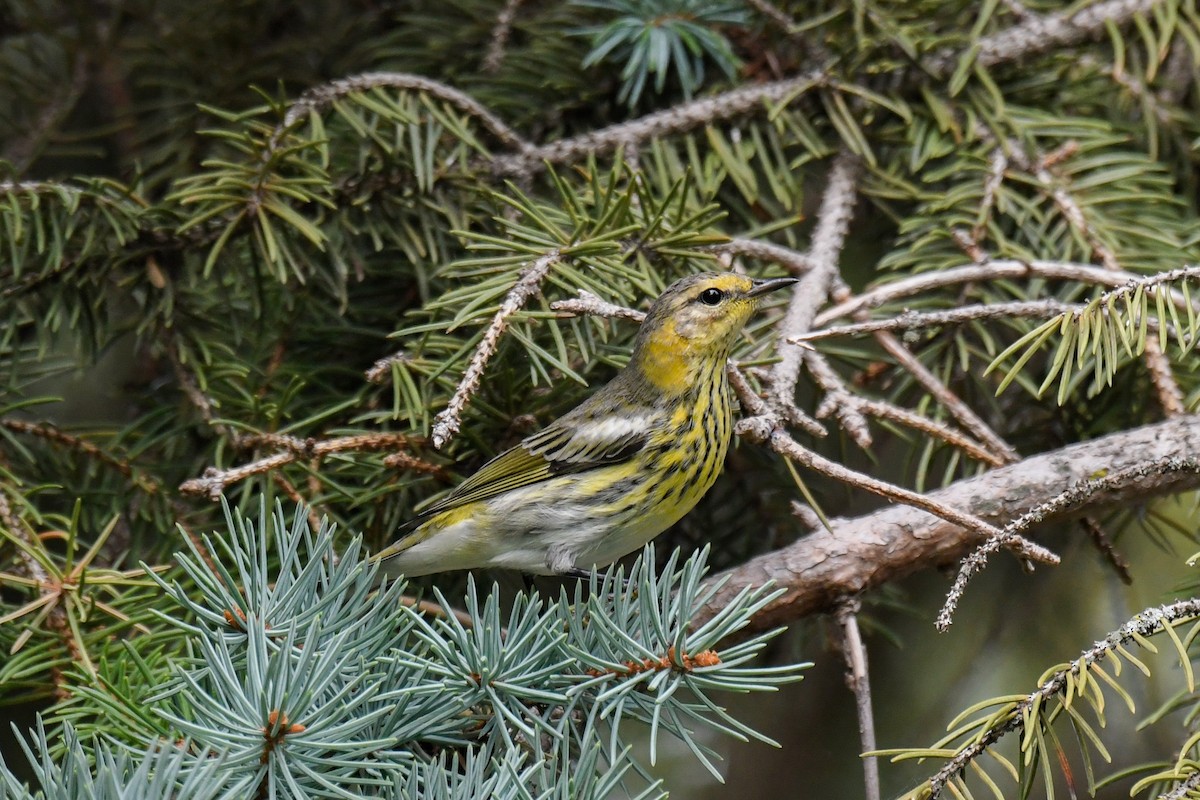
(613, 473)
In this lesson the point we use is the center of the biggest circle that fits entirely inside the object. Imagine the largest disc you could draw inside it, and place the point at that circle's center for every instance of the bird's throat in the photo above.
(671, 362)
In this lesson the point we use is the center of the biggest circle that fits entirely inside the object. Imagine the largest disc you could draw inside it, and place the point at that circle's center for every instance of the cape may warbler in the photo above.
(610, 475)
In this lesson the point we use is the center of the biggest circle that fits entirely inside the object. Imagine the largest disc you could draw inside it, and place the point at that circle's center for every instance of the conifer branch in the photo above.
(988, 271)
(1170, 396)
(860, 553)
(213, 482)
(1147, 623)
(1070, 499)
(56, 435)
(1042, 33)
(763, 428)
(793, 261)
(588, 303)
(931, 427)
(673, 121)
(833, 220)
(17, 528)
(321, 97)
(529, 283)
(839, 402)
(999, 450)
(1184, 788)
(854, 652)
(500, 33)
(920, 320)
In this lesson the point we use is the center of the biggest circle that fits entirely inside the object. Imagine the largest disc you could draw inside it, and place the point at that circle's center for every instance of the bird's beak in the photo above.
(763, 285)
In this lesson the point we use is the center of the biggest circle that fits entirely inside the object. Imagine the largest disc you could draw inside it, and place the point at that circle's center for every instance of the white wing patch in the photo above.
(610, 429)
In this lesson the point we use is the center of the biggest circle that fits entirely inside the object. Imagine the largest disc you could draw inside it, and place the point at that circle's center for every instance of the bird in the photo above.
(614, 472)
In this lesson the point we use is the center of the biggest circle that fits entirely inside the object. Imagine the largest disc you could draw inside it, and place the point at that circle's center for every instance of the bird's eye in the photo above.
(711, 297)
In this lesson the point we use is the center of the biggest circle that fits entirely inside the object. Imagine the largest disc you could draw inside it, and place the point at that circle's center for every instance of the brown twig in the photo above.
(669, 122)
(214, 481)
(988, 271)
(833, 221)
(858, 680)
(1041, 33)
(1070, 499)
(501, 31)
(56, 435)
(529, 283)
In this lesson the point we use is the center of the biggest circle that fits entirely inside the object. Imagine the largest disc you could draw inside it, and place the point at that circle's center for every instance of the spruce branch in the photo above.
(1170, 396)
(999, 451)
(794, 262)
(763, 428)
(833, 220)
(750, 399)
(322, 97)
(589, 304)
(56, 435)
(908, 321)
(213, 483)
(839, 401)
(930, 427)
(997, 167)
(528, 284)
(1016, 717)
(1100, 330)
(1184, 788)
(673, 121)
(860, 553)
(1040, 33)
(17, 527)
(991, 270)
(1070, 499)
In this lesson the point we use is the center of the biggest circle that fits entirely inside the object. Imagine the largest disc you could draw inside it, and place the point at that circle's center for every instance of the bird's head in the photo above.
(693, 324)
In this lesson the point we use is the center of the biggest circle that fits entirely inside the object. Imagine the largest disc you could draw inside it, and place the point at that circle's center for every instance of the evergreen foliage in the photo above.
(306, 678)
(337, 255)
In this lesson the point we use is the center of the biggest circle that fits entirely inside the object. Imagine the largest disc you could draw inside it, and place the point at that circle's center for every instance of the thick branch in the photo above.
(861, 553)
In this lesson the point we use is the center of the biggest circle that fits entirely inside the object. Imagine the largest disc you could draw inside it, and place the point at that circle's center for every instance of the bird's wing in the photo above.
(564, 447)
